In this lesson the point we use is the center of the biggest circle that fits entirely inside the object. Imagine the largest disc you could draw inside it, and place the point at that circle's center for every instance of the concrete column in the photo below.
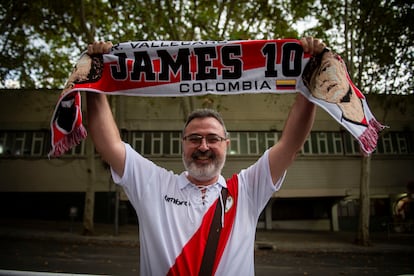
(334, 218)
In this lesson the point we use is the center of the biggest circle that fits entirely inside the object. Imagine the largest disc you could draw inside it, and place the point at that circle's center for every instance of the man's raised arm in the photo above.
(298, 124)
(101, 124)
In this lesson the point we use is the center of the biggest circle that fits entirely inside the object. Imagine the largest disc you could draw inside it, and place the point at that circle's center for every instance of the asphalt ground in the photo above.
(293, 241)
(59, 248)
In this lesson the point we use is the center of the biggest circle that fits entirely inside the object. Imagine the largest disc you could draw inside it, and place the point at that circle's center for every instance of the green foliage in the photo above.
(41, 39)
(376, 40)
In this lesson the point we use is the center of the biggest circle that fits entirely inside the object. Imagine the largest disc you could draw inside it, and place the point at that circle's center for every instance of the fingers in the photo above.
(318, 46)
(312, 45)
(99, 47)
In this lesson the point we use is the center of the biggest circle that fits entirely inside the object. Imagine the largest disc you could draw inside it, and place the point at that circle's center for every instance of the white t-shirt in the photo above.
(170, 210)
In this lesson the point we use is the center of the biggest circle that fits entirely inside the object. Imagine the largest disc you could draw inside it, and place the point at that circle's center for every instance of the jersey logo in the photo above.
(229, 203)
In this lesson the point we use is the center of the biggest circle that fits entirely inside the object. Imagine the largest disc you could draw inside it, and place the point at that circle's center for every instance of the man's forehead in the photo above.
(202, 123)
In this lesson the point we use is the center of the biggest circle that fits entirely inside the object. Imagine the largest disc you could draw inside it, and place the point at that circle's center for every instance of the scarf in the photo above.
(194, 68)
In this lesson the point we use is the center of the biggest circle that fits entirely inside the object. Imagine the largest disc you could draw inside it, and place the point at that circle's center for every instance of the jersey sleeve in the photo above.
(255, 183)
(140, 175)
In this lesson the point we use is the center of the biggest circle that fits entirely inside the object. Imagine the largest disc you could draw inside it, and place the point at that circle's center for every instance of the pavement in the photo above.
(282, 240)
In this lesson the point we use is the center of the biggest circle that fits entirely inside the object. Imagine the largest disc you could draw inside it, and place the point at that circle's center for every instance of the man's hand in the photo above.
(99, 47)
(312, 45)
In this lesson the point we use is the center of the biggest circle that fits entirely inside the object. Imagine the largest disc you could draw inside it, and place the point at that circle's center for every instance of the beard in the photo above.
(204, 172)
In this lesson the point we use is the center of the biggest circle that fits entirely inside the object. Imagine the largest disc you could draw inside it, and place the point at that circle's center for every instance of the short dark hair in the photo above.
(313, 65)
(205, 113)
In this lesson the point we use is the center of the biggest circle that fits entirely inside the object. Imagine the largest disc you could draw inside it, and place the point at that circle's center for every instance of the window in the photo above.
(337, 143)
(168, 143)
(395, 143)
(386, 144)
(270, 139)
(37, 143)
(156, 143)
(234, 143)
(137, 141)
(307, 146)
(19, 143)
(351, 145)
(23, 143)
(401, 142)
(252, 143)
(175, 143)
(322, 142)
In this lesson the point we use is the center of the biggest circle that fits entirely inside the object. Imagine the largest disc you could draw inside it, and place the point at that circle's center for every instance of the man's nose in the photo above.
(203, 144)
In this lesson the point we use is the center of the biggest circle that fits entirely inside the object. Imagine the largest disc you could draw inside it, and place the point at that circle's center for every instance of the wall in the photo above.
(317, 176)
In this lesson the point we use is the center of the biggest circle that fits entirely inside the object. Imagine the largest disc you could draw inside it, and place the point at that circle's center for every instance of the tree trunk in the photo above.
(364, 200)
(88, 227)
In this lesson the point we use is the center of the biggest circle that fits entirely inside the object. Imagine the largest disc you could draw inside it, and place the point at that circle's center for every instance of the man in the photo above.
(175, 211)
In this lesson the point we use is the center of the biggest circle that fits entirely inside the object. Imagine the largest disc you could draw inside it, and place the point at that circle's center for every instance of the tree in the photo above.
(41, 39)
(376, 40)
(39, 36)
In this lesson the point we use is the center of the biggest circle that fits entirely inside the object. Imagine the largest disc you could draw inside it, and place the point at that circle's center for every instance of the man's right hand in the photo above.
(101, 124)
(99, 47)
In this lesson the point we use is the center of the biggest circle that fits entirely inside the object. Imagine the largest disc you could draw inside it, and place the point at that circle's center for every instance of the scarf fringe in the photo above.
(368, 139)
(69, 141)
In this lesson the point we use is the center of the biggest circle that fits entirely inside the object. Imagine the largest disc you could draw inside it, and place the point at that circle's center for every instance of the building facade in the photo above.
(320, 192)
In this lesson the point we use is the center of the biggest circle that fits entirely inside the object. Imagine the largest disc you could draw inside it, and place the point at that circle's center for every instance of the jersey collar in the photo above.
(183, 181)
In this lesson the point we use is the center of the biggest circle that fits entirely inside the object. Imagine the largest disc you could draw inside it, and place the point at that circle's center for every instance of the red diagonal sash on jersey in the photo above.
(189, 260)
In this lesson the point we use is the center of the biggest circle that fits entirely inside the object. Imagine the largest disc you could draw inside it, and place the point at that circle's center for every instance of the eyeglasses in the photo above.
(211, 139)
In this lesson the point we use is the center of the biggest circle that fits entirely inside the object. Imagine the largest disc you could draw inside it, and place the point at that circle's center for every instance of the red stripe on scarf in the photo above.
(189, 261)
(65, 139)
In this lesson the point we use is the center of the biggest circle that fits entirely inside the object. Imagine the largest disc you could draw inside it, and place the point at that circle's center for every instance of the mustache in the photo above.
(208, 154)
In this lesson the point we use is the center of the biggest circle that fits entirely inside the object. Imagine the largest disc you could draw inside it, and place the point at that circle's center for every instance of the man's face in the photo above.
(330, 82)
(204, 158)
(80, 72)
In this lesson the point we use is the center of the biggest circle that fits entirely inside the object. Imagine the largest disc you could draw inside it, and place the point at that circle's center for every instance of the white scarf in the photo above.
(194, 68)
